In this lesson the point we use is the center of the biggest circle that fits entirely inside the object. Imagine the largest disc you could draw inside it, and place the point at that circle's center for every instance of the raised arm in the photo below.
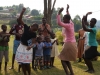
(67, 11)
(21, 15)
(84, 20)
(59, 22)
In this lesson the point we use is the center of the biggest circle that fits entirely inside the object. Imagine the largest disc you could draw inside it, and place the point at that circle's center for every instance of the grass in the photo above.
(58, 70)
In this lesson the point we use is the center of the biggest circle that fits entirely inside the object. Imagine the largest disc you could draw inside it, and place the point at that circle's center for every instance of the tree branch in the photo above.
(53, 6)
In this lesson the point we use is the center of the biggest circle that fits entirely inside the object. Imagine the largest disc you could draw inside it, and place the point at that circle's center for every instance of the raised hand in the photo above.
(60, 10)
(24, 8)
(67, 6)
(89, 13)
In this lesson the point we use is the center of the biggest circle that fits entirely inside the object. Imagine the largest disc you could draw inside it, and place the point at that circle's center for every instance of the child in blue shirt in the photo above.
(47, 52)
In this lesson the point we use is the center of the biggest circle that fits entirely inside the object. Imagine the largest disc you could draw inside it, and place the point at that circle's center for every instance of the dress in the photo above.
(81, 43)
(69, 51)
(54, 51)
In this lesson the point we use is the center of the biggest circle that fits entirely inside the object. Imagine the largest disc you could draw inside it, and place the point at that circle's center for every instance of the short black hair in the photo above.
(3, 25)
(67, 16)
(95, 20)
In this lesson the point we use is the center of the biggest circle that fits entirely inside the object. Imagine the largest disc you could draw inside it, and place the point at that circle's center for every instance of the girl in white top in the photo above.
(54, 51)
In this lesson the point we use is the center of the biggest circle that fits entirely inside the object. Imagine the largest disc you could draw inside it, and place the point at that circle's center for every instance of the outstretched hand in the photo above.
(61, 9)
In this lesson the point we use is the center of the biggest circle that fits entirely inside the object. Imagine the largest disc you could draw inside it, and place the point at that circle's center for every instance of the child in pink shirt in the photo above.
(69, 51)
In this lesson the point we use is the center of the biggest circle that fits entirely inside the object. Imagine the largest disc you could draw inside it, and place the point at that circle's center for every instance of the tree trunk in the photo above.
(48, 11)
(45, 9)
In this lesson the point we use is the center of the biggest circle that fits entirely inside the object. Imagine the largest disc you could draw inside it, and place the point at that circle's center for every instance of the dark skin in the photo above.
(4, 42)
(26, 67)
(92, 24)
(66, 64)
(84, 20)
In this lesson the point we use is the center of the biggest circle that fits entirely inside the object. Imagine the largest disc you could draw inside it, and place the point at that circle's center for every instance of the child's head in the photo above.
(39, 39)
(47, 39)
(66, 18)
(34, 27)
(40, 31)
(93, 22)
(53, 36)
(4, 28)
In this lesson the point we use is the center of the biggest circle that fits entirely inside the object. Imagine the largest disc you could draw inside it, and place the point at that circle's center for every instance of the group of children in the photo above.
(45, 51)
(43, 44)
(27, 43)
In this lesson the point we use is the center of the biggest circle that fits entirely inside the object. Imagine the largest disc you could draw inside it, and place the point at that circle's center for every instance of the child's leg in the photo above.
(33, 58)
(65, 67)
(1, 56)
(6, 54)
(70, 67)
(89, 65)
(52, 61)
(19, 67)
(28, 69)
(41, 62)
(0, 66)
(48, 61)
(24, 68)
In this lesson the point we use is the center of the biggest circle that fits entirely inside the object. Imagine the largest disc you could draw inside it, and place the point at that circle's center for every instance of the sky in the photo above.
(80, 7)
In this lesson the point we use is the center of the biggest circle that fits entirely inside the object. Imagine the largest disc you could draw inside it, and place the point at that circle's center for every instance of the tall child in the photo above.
(24, 51)
(69, 51)
(91, 52)
(4, 47)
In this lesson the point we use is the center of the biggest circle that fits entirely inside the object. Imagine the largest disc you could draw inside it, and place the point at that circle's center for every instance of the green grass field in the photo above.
(58, 70)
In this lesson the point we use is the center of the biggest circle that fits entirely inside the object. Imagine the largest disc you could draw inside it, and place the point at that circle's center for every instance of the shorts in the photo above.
(46, 58)
(15, 46)
(4, 53)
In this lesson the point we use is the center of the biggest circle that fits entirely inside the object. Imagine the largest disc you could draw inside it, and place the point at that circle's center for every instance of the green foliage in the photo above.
(34, 12)
(98, 36)
(1, 8)
(76, 36)
(77, 23)
(12, 22)
(59, 36)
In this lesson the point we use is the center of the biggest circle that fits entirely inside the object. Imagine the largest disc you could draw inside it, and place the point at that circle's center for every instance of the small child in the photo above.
(39, 54)
(4, 39)
(54, 51)
(47, 52)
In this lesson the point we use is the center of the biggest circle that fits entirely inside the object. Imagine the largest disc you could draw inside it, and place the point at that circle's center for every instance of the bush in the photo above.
(98, 36)
(59, 36)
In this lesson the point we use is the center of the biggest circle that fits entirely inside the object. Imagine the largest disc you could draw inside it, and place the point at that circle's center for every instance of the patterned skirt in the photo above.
(69, 52)
(23, 55)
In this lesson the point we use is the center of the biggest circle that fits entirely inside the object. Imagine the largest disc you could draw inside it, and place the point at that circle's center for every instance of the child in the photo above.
(4, 39)
(69, 51)
(24, 51)
(54, 51)
(39, 53)
(47, 52)
(90, 52)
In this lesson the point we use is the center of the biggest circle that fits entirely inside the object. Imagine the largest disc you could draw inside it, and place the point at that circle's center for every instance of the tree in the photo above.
(34, 12)
(48, 10)
(77, 23)
(1, 8)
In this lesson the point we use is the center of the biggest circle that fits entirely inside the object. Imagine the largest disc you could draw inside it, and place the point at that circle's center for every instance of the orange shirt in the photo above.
(45, 32)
